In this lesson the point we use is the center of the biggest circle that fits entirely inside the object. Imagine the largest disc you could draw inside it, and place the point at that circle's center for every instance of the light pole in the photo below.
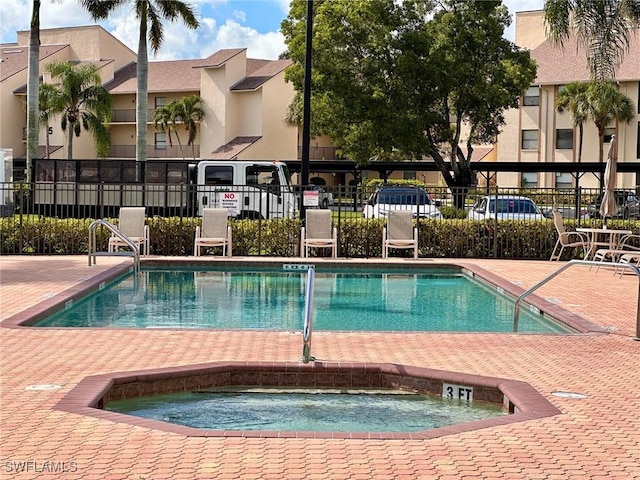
(306, 110)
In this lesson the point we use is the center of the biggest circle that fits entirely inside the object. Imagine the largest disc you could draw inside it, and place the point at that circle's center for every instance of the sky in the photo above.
(251, 24)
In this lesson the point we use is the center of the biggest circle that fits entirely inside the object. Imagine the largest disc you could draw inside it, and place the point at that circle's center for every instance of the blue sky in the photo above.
(253, 24)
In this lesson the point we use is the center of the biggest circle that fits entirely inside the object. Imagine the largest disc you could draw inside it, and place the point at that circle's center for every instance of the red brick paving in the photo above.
(594, 438)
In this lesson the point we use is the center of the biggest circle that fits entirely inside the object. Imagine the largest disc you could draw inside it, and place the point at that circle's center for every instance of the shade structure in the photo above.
(608, 207)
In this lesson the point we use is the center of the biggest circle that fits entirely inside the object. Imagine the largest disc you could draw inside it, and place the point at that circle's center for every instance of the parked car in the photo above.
(325, 199)
(627, 201)
(505, 207)
(389, 198)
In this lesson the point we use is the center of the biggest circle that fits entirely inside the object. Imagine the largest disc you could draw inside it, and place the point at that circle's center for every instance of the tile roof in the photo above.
(219, 58)
(261, 75)
(15, 58)
(560, 65)
(22, 89)
(169, 76)
(231, 149)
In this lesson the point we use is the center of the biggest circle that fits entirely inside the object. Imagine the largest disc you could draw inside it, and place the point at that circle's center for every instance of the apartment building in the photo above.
(244, 100)
(538, 133)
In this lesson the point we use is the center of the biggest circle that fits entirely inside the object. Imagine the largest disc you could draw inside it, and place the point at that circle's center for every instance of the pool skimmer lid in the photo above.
(43, 387)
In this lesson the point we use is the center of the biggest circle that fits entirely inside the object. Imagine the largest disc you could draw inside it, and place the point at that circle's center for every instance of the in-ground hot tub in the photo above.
(519, 399)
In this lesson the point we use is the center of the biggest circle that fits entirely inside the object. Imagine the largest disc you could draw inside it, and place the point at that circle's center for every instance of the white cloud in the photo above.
(233, 35)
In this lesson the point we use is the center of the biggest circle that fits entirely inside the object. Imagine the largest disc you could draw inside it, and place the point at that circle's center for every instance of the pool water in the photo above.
(312, 412)
(274, 300)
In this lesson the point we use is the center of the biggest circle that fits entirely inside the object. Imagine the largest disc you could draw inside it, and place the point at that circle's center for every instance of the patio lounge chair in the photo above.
(318, 233)
(566, 239)
(131, 225)
(214, 232)
(399, 232)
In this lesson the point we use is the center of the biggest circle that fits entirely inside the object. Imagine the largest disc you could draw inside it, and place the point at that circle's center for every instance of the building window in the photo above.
(608, 133)
(564, 139)
(529, 139)
(564, 180)
(161, 141)
(160, 101)
(529, 180)
(531, 97)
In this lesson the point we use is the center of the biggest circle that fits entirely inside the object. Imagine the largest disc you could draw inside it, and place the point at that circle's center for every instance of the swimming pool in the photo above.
(351, 300)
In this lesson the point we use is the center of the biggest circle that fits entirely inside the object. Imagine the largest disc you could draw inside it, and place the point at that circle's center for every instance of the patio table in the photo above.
(602, 237)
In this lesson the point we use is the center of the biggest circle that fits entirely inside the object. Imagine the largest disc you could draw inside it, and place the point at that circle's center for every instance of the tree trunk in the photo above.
(141, 96)
(70, 141)
(33, 81)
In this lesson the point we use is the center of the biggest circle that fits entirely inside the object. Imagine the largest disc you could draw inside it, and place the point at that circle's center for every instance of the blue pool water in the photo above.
(275, 301)
(319, 412)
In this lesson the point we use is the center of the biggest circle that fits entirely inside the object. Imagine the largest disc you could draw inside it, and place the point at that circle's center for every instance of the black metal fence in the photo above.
(475, 230)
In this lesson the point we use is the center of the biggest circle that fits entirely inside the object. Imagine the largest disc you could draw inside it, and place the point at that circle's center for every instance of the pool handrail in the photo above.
(552, 275)
(93, 253)
(307, 329)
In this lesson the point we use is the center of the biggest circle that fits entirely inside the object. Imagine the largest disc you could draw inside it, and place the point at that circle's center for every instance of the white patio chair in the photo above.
(214, 232)
(131, 224)
(399, 232)
(318, 233)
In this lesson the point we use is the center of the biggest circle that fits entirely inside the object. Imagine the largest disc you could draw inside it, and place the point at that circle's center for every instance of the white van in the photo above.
(250, 190)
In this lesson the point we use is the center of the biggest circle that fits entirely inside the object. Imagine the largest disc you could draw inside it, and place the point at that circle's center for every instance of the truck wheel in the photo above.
(625, 215)
(325, 203)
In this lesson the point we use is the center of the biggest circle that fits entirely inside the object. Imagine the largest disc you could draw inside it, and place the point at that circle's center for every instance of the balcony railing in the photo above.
(128, 115)
(156, 151)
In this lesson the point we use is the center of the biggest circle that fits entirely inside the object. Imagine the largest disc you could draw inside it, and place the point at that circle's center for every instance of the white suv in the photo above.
(415, 199)
(509, 207)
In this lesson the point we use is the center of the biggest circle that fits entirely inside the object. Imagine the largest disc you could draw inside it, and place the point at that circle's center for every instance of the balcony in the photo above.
(155, 151)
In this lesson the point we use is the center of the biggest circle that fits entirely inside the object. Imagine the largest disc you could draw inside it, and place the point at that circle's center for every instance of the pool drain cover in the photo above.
(568, 395)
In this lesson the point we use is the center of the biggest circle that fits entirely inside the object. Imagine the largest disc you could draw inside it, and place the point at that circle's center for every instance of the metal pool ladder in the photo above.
(93, 253)
(308, 318)
(633, 268)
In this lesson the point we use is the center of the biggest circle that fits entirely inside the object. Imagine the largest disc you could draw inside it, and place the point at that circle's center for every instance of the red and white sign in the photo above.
(310, 198)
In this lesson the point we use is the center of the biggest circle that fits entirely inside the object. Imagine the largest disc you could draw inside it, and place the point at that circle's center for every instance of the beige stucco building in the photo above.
(244, 100)
(537, 133)
(245, 103)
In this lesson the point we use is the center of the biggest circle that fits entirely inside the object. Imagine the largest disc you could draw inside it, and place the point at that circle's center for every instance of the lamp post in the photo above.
(306, 110)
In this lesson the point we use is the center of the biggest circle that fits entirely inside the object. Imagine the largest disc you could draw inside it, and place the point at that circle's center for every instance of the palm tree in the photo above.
(83, 103)
(606, 104)
(573, 97)
(191, 113)
(184, 112)
(602, 27)
(33, 81)
(149, 13)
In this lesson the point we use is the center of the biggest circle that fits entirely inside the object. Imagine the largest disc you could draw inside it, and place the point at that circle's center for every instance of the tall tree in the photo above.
(83, 103)
(409, 77)
(33, 81)
(573, 97)
(150, 14)
(192, 113)
(602, 27)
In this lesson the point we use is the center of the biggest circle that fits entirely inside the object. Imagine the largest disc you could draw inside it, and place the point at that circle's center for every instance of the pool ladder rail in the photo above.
(93, 249)
(308, 318)
(590, 263)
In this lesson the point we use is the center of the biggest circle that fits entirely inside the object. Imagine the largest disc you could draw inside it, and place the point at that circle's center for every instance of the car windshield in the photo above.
(512, 205)
(403, 197)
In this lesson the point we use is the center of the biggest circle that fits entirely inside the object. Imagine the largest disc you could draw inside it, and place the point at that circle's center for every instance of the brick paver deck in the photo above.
(593, 438)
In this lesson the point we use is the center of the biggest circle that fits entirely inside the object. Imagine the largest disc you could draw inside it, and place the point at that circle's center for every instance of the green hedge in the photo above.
(454, 238)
